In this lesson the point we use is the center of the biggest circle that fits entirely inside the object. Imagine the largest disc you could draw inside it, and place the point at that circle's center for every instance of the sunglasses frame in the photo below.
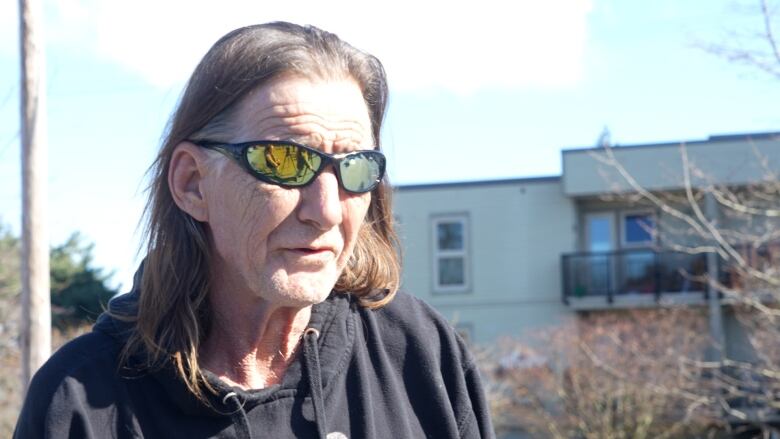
(239, 152)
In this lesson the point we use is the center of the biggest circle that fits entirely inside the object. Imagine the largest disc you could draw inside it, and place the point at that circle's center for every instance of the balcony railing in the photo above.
(634, 271)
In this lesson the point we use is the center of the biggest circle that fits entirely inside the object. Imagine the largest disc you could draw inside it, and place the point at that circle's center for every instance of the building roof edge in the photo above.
(715, 138)
(459, 184)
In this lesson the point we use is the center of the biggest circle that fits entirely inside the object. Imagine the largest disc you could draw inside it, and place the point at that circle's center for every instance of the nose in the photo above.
(320, 203)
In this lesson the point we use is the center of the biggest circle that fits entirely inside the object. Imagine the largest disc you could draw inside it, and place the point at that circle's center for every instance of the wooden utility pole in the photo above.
(36, 307)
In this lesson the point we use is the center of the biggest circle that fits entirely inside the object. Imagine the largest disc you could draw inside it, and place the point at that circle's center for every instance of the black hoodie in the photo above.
(396, 372)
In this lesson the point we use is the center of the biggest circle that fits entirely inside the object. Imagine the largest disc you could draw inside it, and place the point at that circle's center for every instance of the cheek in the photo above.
(242, 219)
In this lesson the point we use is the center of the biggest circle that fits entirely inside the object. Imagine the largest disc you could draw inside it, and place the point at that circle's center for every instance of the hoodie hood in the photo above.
(397, 371)
(122, 305)
(332, 322)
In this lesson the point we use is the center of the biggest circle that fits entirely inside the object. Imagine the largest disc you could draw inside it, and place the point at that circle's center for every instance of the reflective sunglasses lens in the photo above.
(362, 171)
(284, 164)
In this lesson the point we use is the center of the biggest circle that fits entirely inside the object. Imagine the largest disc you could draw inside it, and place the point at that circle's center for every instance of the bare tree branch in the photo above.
(770, 37)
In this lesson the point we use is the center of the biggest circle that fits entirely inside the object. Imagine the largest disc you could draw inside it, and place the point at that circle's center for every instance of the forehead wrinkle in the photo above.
(333, 120)
(313, 121)
(330, 123)
(296, 108)
(310, 108)
(316, 130)
(329, 132)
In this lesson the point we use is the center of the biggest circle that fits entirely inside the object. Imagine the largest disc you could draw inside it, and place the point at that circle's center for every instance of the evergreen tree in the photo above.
(78, 290)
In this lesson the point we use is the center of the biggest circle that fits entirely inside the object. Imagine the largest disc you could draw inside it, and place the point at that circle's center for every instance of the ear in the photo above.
(186, 179)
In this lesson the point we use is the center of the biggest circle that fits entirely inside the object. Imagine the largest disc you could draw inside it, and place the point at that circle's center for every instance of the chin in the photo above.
(303, 289)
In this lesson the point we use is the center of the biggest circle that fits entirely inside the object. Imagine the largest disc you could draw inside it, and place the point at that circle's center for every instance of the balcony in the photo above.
(633, 278)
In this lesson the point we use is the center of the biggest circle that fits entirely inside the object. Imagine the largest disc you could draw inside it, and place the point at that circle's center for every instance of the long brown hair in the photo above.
(173, 312)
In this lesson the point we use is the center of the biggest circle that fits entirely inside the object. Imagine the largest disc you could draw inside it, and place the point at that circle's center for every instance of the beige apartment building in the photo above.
(505, 257)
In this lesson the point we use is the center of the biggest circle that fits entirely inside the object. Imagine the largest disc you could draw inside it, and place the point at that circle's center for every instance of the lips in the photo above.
(309, 258)
(314, 250)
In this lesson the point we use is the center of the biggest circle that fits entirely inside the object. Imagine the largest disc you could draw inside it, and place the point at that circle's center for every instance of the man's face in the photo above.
(288, 246)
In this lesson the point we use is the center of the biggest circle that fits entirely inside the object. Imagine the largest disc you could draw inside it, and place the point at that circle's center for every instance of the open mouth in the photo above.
(309, 250)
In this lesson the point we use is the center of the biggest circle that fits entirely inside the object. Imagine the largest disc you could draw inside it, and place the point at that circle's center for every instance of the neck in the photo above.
(250, 345)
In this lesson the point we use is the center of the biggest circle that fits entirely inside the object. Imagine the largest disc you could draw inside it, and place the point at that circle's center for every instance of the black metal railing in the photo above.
(757, 264)
(634, 271)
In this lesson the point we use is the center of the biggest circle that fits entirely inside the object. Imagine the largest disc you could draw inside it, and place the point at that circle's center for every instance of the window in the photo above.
(638, 229)
(450, 248)
(599, 232)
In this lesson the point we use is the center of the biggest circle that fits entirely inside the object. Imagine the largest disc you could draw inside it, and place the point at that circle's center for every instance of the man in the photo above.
(267, 305)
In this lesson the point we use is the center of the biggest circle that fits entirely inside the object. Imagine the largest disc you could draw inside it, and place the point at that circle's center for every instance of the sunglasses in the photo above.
(292, 165)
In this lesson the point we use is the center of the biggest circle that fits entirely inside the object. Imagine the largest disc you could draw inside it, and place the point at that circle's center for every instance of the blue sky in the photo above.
(524, 81)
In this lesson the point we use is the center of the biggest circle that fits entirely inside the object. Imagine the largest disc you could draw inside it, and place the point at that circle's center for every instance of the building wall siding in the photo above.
(516, 232)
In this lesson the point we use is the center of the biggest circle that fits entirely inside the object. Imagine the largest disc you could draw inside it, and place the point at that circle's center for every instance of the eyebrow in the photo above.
(353, 144)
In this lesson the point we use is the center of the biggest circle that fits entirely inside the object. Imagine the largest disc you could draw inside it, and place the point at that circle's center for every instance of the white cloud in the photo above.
(455, 45)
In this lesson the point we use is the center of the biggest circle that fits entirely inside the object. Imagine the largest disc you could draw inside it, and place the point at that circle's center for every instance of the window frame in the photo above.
(624, 214)
(438, 254)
